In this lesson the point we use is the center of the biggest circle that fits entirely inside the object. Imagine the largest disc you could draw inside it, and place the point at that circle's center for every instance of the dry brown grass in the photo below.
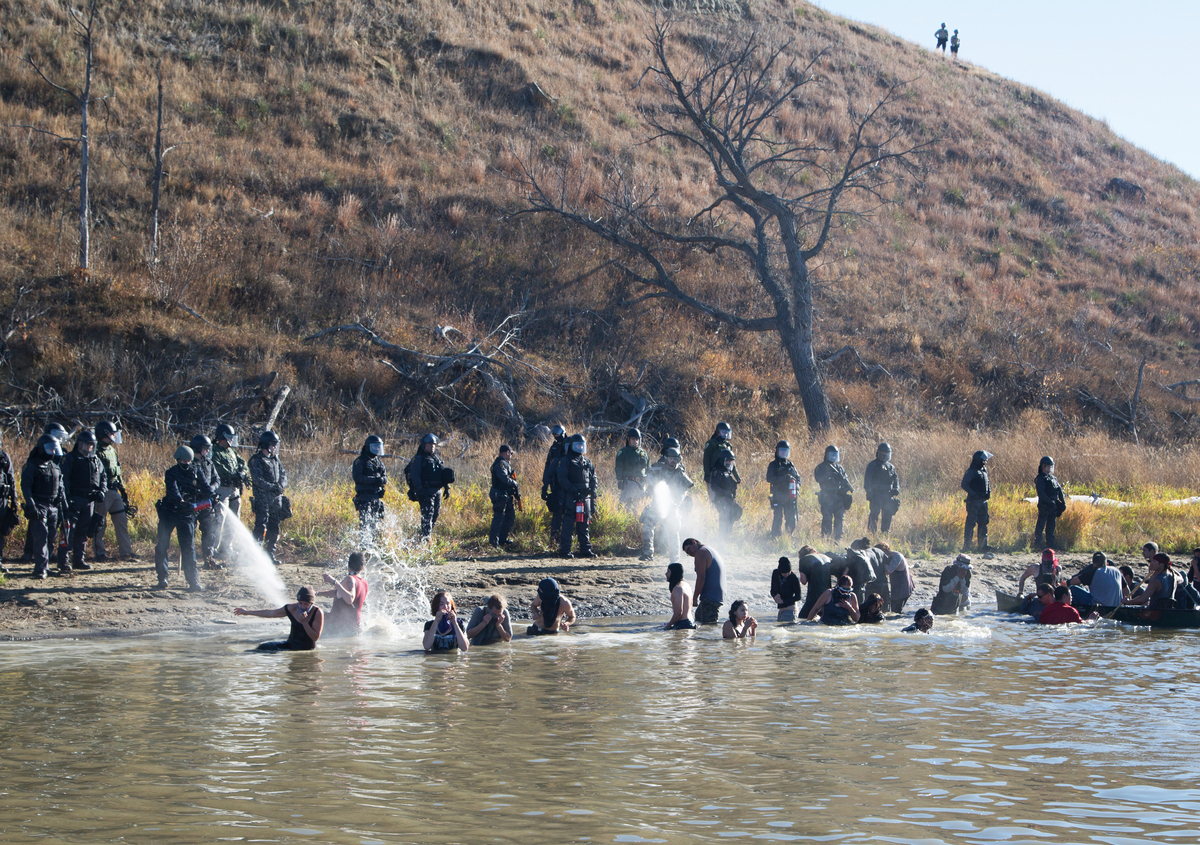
(342, 162)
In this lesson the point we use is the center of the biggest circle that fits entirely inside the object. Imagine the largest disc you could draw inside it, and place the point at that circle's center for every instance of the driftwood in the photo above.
(493, 359)
(1180, 389)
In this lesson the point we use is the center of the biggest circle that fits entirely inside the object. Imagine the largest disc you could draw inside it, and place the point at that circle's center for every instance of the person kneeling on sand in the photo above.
(490, 623)
(837, 605)
(550, 611)
(681, 602)
(444, 632)
(306, 619)
(922, 623)
(740, 623)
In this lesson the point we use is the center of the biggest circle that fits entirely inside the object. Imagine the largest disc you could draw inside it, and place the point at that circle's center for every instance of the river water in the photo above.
(985, 731)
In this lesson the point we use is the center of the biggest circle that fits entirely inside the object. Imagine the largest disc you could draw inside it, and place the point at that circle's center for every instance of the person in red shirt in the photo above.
(349, 596)
(1059, 611)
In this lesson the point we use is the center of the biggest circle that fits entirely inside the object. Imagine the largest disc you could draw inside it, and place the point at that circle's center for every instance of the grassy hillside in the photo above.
(351, 161)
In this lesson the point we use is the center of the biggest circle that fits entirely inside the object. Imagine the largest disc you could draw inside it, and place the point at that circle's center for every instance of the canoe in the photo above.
(1007, 603)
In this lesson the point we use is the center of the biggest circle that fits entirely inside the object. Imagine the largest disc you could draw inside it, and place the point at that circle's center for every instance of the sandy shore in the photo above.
(118, 599)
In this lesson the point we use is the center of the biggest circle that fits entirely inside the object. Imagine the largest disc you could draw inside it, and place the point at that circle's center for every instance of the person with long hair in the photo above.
(740, 624)
(444, 632)
(550, 611)
(681, 602)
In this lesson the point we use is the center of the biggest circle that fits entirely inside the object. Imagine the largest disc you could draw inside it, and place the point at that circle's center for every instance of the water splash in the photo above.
(251, 559)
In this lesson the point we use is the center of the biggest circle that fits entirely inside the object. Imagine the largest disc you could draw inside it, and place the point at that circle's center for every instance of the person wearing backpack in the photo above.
(428, 479)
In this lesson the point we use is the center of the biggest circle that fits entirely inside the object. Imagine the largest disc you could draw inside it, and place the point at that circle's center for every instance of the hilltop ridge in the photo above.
(352, 163)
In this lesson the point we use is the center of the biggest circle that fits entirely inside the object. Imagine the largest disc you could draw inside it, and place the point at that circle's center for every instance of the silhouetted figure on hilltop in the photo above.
(942, 36)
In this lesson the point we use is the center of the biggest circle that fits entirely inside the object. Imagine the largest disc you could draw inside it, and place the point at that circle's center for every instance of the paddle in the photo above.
(1131, 592)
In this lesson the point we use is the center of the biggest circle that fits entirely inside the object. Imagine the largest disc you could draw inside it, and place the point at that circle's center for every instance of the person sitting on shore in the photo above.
(922, 623)
(785, 589)
(681, 601)
(740, 623)
(306, 619)
(1046, 572)
(1060, 611)
(872, 609)
(1034, 603)
(1160, 585)
(837, 605)
(490, 623)
(444, 632)
(550, 611)
(349, 596)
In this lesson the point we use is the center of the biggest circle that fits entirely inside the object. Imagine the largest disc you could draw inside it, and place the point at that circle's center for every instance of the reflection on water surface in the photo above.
(986, 731)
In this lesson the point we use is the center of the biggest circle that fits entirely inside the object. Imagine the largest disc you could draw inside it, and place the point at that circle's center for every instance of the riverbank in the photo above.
(119, 599)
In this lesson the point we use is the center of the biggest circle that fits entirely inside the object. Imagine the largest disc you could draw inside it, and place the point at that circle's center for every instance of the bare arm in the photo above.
(1031, 572)
(504, 627)
(702, 560)
(821, 602)
(344, 590)
(567, 619)
(313, 622)
(460, 635)
(431, 631)
(269, 613)
(729, 632)
(852, 607)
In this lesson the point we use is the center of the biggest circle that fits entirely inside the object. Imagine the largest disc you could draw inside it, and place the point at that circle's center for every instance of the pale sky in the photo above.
(1135, 65)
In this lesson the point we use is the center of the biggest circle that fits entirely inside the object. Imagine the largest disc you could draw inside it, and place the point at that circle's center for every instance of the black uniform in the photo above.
(550, 492)
(370, 483)
(8, 500)
(834, 497)
(426, 476)
(184, 489)
(269, 480)
(1050, 504)
(45, 505)
(577, 483)
(978, 488)
(723, 485)
(85, 485)
(785, 483)
(881, 485)
(208, 520)
(504, 494)
(816, 570)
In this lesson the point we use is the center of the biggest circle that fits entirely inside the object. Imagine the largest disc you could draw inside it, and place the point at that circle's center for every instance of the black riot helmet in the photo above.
(577, 444)
(670, 443)
(373, 445)
(430, 438)
(225, 431)
(267, 439)
(633, 434)
(199, 443)
(724, 432)
(981, 457)
(783, 449)
(86, 436)
(47, 448)
(558, 431)
(104, 428)
(883, 452)
(56, 431)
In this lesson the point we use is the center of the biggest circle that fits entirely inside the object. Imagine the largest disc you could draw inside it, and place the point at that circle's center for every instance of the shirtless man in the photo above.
(681, 602)
(550, 611)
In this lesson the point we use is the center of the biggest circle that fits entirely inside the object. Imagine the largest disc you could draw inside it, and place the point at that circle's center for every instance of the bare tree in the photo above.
(775, 200)
(159, 155)
(85, 23)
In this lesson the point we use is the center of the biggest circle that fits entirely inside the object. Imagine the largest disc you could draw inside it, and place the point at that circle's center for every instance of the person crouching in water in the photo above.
(785, 589)
(872, 609)
(490, 623)
(837, 605)
(305, 617)
(550, 611)
(740, 623)
(349, 596)
(922, 623)
(681, 602)
(444, 632)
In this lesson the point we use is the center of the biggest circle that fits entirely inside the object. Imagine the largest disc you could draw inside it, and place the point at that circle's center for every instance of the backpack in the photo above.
(408, 476)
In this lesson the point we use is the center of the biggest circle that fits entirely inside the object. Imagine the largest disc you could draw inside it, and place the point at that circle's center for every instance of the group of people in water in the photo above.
(1102, 586)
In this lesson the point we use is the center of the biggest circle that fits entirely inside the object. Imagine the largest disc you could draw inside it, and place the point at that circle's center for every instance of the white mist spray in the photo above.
(255, 562)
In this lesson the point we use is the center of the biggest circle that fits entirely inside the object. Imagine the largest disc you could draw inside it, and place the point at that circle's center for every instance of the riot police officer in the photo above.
(116, 498)
(429, 478)
(184, 489)
(8, 501)
(723, 486)
(370, 483)
(208, 519)
(665, 511)
(505, 495)
(577, 483)
(784, 480)
(45, 502)
(59, 433)
(85, 485)
(835, 493)
(269, 480)
(881, 484)
(630, 468)
(233, 475)
(550, 492)
(720, 441)
(978, 487)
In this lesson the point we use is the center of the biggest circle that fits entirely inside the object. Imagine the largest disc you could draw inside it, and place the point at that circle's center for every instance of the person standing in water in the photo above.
(785, 589)
(681, 602)
(349, 596)
(709, 593)
(305, 617)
